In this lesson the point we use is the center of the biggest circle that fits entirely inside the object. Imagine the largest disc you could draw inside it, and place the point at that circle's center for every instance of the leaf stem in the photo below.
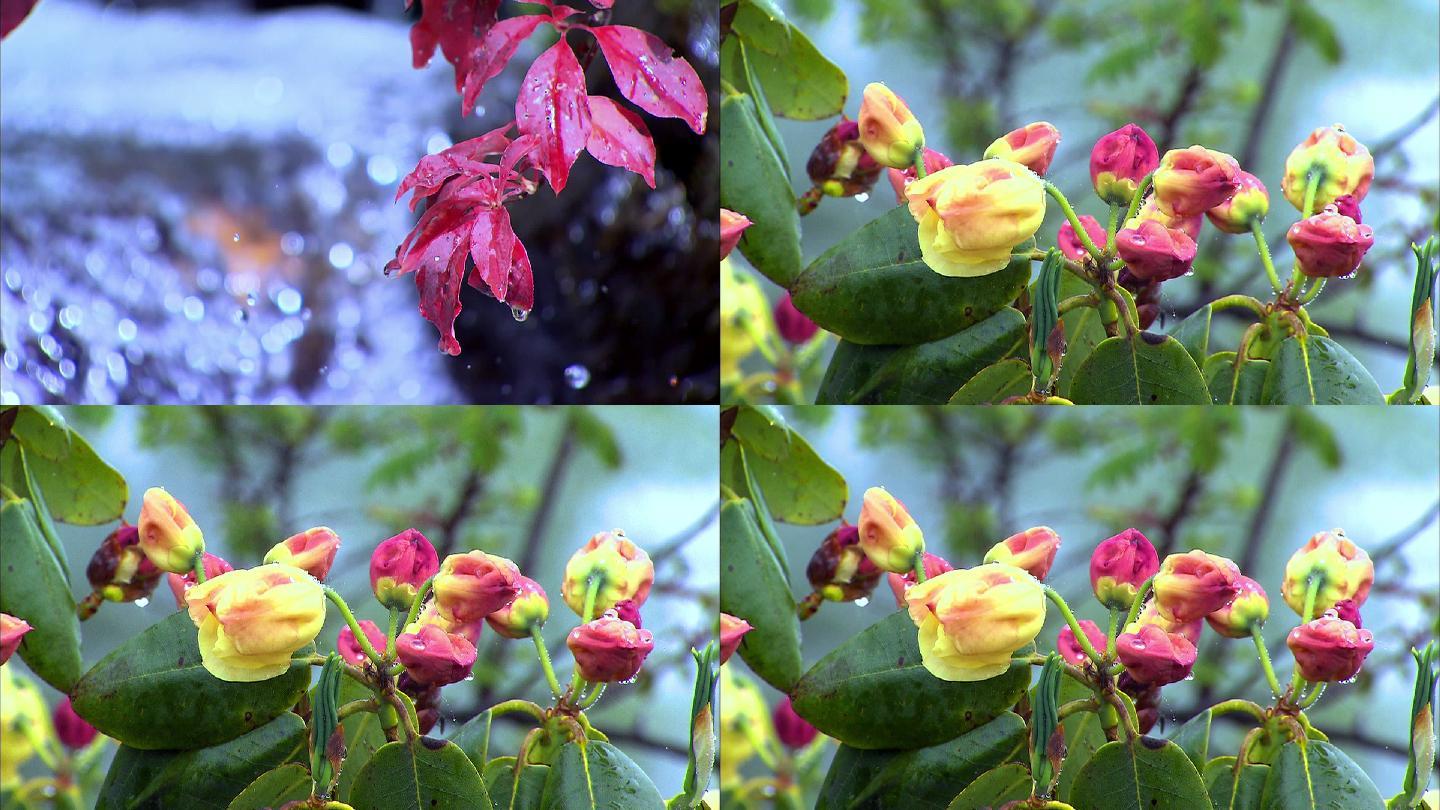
(1265, 661)
(545, 663)
(1239, 706)
(1139, 195)
(1080, 232)
(360, 637)
(419, 601)
(1080, 637)
(1138, 602)
(1111, 633)
(523, 706)
(1111, 228)
(1265, 258)
(919, 567)
(1238, 301)
(198, 563)
(390, 636)
(919, 163)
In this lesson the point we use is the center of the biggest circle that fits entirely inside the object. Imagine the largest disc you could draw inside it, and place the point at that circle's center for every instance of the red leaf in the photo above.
(12, 13)
(487, 57)
(453, 25)
(466, 157)
(651, 76)
(619, 138)
(439, 284)
(552, 106)
(492, 245)
(522, 282)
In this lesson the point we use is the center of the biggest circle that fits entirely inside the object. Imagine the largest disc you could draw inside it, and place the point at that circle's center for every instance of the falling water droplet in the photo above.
(862, 601)
(142, 602)
(577, 376)
(862, 196)
(519, 314)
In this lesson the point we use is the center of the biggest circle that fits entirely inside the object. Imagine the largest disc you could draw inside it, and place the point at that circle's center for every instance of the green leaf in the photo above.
(873, 692)
(801, 488)
(1318, 776)
(206, 778)
(753, 587)
(595, 435)
(994, 788)
(1235, 791)
(272, 789)
(598, 776)
(1083, 737)
(1145, 774)
(754, 183)
(994, 384)
(426, 774)
(363, 736)
(81, 488)
(42, 430)
(1318, 371)
(1083, 332)
(1313, 28)
(763, 430)
(1194, 739)
(923, 779)
(763, 25)
(1226, 388)
(507, 792)
(1143, 370)
(1194, 334)
(36, 591)
(873, 288)
(922, 374)
(800, 83)
(137, 692)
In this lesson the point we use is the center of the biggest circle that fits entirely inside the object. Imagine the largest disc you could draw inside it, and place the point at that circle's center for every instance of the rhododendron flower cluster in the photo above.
(466, 224)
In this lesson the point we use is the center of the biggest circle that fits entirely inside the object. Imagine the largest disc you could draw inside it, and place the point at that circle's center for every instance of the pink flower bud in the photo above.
(168, 535)
(312, 551)
(1071, 650)
(732, 226)
(1329, 244)
(1348, 610)
(350, 649)
(1119, 161)
(11, 631)
(1192, 181)
(1032, 550)
(732, 630)
(1341, 164)
(473, 585)
(434, 657)
(1152, 656)
(1249, 206)
(72, 730)
(430, 615)
(1150, 209)
(119, 570)
(1329, 648)
(1342, 568)
(628, 611)
(1119, 566)
(888, 535)
(1191, 585)
(179, 585)
(527, 613)
(1151, 615)
(1070, 244)
(792, 729)
(609, 649)
(791, 323)
(1153, 252)
(1032, 146)
(888, 130)
(1348, 206)
(1246, 613)
(899, 179)
(838, 570)
(901, 583)
(399, 566)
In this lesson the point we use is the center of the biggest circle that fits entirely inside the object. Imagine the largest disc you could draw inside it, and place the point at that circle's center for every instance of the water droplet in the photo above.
(142, 601)
(862, 196)
(577, 376)
(862, 601)
(519, 314)
(236, 238)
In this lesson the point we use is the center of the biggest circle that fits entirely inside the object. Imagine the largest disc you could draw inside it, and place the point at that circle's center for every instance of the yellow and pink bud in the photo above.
(168, 535)
(526, 614)
(1153, 252)
(252, 620)
(1244, 615)
(1032, 146)
(620, 570)
(888, 130)
(1341, 164)
(1329, 648)
(1342, 569)
(732, 227)
(1192, 585)
(473, 585)
(900, 179)
(1191, 181)
(1119, 161)
(972, 620)
(1247, 208)
(888, 535)
(609, 649)
(180, 585)
(900, 584)
(732, 632)
(12, 631)
(972, 216)
(1151, 615)
(1069, 242)
(399, 566)
(1119, 566)
(1032, 551)
(312, 551)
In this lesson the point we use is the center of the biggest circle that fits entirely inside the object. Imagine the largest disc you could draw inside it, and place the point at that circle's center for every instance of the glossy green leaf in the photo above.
(1194, 739)
(42, 429)
(1083, 332)
(753, 587)
(1318, 371)
(800, 83)
(874, 692)
(1144, 370)
(762, 24)
(995, 383)
(921, 374)
(873, 288)
(763, 431)
(1083, 737)
(426, 774)
(1194, 334)
(473, 737)
(205, 778)
(80, 488)
(363, 736)
(922, 779)
(598, 776)
(800, 488)
(36, 591)
(1230, 790)
(1228, 389)
(511, 793)
(735, 68)
(137, 691)
(1318, 776)
(994, 788)
(1146, 774)
(754, 183)
(272, 789)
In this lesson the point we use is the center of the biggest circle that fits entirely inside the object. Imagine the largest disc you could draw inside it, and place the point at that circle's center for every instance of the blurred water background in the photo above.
(198, 203)
(545, 481)
(1188, 478)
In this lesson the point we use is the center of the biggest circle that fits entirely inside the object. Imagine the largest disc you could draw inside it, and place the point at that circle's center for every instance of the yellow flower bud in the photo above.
(972, 620)
(168, 535)
(252, 620)
(1342, 164)
(972, 216)
(888, 130)
(1343, 569)
(622, 570)
(888, 535)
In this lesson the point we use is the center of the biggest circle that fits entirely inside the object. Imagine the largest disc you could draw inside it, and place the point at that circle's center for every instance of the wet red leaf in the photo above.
(619, 138)
(651, 76)
(12, 13)
(489, 55)
(553, 107)
(454, 25)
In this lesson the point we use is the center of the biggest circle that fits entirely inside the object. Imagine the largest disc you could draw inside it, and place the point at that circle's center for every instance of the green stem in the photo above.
(357, 706)
(1078, 301)
(919, 566)
(1312, 185)
(419, 601)
(1312, 590)
(198, 563)
(1080, 231)
(1089, 704)
(1238, 301)
(1265, 258)
(1314, 291)
(1238, 706)
(1313, 696)
(1265, 661)
(545, 664)
(390, 635)
(1128, 717)
(1080, 637)
(1129, 312)
(1111, 228)
(1139, 196)
(1111, 633)
(593, 697)
(1138, 602)
(592, 591)
(919, 163)
(360, 637)
(523, 706)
